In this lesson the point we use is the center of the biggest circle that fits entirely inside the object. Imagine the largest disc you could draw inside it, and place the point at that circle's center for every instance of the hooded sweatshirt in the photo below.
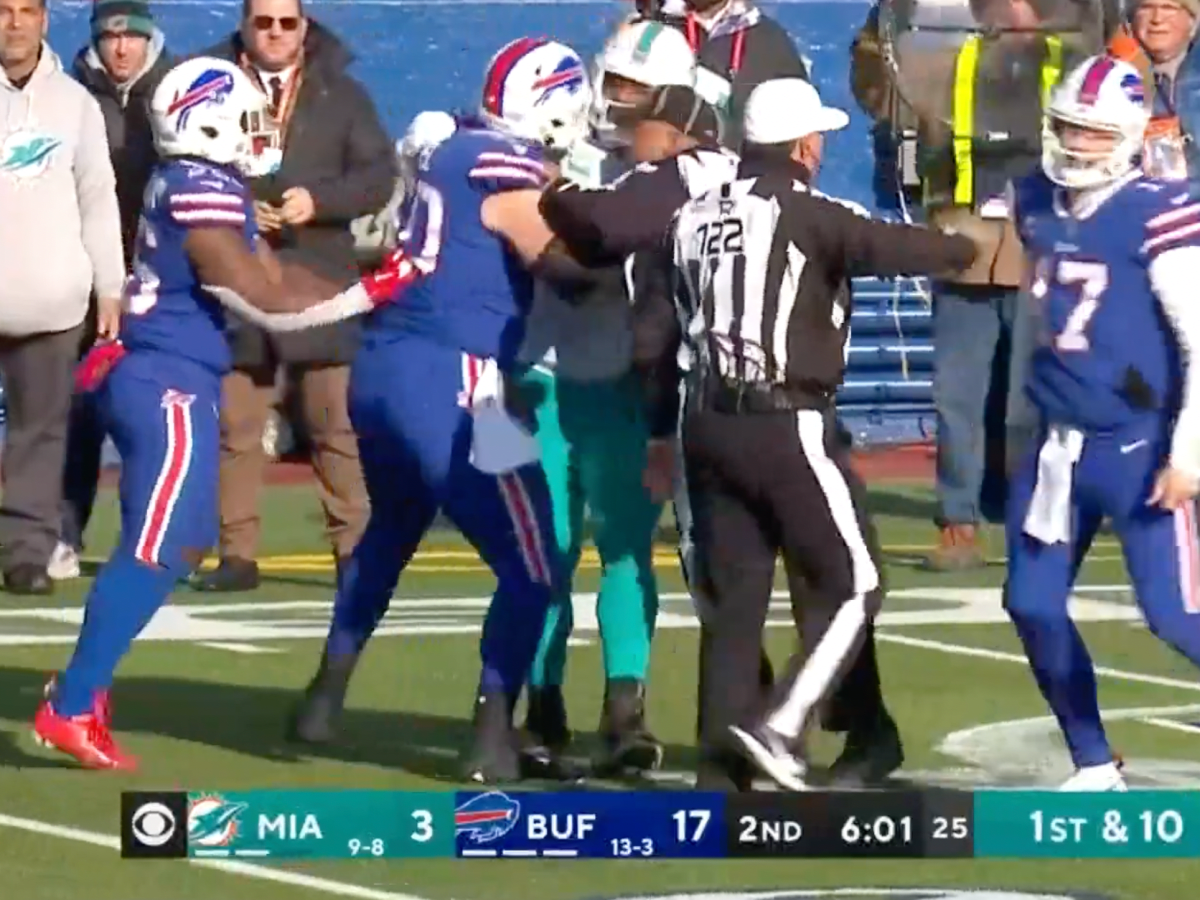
(126, 109)
(60, 230)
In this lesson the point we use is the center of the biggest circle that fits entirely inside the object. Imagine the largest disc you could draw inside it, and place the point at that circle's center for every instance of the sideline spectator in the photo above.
(964, 166)
(121, 66)
(60, 240)
(337, 164)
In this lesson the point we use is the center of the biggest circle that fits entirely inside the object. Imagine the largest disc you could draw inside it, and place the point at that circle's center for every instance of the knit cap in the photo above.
(122, 17)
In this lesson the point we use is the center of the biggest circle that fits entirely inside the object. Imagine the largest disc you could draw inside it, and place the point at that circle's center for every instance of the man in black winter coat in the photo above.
(337, 164)
(121, 66)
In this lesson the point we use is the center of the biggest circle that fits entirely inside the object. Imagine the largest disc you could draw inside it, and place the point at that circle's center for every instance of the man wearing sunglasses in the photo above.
(336, 164)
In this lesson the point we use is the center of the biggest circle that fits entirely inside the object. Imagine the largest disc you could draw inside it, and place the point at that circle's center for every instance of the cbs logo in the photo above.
(153, 824)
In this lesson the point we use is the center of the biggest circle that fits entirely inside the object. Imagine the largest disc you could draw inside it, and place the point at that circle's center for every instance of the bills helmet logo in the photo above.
(1133, 88)
(567, 76)
(212, 86)
(486, 817)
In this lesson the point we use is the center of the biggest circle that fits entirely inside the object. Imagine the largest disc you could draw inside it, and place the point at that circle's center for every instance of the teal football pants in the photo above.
(593, 441)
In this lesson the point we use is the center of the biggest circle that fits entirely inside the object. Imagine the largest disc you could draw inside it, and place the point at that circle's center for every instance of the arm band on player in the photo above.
(351, 302)
(1173, 275)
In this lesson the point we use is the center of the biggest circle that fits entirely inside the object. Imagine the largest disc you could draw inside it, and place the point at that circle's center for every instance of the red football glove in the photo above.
(388, 282)
(96, 364)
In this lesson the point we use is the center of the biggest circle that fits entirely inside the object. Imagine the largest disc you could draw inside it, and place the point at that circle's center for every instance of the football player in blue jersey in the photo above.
(1114, 380)
(159, 385)
(428, 398)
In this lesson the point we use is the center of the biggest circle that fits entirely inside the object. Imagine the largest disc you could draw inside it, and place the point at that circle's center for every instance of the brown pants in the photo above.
(248, 396)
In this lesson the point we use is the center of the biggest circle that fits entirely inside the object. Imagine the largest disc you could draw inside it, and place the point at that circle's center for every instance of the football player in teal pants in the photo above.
(589, 413)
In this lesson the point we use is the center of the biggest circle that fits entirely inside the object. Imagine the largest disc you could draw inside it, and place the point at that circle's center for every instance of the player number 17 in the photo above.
(690, 825)
(1091, 280)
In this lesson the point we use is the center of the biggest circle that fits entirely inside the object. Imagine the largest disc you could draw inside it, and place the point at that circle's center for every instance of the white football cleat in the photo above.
(64, 563)
(769, 751)
(1105, 777)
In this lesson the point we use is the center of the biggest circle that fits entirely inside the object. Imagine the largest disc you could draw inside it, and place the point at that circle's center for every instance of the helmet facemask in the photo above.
(1081, 155)
(263, 150)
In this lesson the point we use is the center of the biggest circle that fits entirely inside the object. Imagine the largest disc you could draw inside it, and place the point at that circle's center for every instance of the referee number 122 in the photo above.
(722, 236)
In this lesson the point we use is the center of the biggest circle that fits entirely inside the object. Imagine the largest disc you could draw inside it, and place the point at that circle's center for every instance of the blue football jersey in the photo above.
(473, 293)
(1106, 355)
(165, 308)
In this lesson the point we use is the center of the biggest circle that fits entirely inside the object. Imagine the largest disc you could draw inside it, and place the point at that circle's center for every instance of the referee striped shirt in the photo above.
(762, 267)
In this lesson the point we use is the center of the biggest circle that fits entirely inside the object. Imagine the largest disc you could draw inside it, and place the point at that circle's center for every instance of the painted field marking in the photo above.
(467, 561)
(1171, 724)
(1004, 656)
(244, 869)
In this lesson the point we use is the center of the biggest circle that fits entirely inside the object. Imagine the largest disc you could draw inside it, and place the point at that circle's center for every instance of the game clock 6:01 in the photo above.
(851, 824)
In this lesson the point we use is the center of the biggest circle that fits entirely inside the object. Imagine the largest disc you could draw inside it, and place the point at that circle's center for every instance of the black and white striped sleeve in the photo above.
(602, 226)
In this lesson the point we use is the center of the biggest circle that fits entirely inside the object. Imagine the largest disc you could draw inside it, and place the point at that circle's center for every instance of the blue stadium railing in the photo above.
(888, 394)
(887, 397)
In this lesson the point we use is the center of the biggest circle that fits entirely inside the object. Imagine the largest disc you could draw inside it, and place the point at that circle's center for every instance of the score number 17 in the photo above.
(690, 825)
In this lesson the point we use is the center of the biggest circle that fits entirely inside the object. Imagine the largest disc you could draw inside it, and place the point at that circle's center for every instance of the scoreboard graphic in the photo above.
(496, 824)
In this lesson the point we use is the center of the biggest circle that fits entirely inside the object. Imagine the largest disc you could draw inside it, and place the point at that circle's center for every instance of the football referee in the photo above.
(762, 267)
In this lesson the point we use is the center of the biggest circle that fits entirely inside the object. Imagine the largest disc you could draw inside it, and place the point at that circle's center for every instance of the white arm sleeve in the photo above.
(1173, 276)
(353, 301)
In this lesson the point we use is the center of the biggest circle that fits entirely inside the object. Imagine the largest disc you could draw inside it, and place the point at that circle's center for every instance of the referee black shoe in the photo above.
(869, 756)
(772, 755)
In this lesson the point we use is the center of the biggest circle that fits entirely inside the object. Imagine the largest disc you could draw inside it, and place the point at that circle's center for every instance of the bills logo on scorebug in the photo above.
(486, 817)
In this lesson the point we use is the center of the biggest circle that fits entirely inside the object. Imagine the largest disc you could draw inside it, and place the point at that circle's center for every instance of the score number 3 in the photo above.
(1091, 280)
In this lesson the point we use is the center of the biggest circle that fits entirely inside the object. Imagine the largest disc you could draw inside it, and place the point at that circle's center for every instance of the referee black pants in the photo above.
(765, 484)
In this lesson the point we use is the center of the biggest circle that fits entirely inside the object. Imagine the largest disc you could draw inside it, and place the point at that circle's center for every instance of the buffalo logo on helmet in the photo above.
(212, 86)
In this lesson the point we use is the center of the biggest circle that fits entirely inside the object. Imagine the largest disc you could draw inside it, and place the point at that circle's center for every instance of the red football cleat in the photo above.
(86, 737)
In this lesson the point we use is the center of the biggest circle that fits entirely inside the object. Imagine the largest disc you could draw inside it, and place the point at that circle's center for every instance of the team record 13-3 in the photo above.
(935, 823)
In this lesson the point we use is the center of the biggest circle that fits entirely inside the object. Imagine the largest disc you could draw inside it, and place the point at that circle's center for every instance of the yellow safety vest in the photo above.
(963, 114)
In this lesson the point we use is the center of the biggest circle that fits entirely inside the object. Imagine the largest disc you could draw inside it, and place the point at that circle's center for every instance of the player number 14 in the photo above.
(690, 825)
(1091, 280)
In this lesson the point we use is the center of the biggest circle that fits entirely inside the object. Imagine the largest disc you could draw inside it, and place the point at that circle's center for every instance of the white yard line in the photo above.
(1171, 724)
(246, 870)
(1004, 656)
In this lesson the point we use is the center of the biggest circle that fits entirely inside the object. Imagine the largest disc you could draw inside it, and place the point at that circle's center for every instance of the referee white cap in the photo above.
(787, 109)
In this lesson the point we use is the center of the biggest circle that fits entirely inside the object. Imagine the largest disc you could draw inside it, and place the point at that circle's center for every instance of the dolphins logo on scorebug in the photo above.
(213, 821)
(486, 817)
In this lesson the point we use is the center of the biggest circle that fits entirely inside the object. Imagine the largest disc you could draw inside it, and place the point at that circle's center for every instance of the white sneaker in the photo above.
(1106, 777)
(64, 563)
(770, 752)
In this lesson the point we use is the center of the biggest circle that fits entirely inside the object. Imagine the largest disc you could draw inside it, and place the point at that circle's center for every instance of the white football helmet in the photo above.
(645, 52)
(209, 108)
(1101, 95)
(537, 90)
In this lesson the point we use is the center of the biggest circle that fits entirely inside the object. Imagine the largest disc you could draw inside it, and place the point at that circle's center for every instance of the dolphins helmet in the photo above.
(1101, 95)
(645, 52)
(210, 109)
(537, 90)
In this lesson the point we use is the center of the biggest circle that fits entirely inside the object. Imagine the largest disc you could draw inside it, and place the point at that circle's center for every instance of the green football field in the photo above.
(204, 695)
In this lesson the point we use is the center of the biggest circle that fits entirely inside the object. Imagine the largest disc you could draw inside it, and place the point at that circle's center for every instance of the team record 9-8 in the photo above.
(340, 824)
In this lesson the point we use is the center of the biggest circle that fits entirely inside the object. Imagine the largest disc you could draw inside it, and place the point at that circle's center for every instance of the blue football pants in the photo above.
(1112, 479)
(409, 406)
